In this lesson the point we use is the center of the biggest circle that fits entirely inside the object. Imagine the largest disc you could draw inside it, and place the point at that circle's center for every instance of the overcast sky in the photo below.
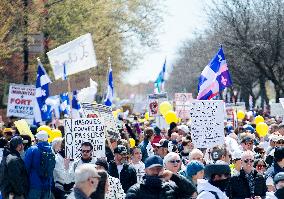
(185, 17)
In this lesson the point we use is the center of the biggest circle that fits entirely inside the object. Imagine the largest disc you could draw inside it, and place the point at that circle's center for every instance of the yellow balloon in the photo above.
(170, 117)
(262, 129)
(118, 110)
(258, 119)
(131, 142)
(114, 113)
(147, 116)
(165, 107)
(56, 133)
(45, 128)
(241, 115)
(141, 120)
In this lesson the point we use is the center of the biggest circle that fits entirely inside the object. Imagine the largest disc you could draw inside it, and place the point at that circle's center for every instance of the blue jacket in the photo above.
(143, 147)
(32, 163)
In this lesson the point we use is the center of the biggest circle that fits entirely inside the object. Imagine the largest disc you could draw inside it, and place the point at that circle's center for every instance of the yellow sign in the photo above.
(23, 128)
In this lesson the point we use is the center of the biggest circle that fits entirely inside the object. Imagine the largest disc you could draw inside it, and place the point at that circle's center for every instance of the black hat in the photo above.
(162, 143)
(102, 162)
(279, 177)
(120, 149)
(15, 141)
(279, 154)
(219, 169)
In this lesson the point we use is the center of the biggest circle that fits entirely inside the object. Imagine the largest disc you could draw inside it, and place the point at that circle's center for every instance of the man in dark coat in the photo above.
(160, 183)
(15, 181)
(249, 183)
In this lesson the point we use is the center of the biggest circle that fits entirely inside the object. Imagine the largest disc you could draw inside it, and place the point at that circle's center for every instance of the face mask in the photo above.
(153, 181)
(221, 184)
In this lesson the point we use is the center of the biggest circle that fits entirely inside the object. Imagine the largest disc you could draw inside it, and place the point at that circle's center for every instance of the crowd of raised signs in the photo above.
(145, 161)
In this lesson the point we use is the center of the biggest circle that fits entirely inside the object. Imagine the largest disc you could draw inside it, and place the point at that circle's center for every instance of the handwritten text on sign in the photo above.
(78, 131)
(207, 123)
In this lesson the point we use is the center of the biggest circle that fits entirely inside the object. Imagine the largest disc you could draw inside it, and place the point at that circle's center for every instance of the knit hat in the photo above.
(15, 141)
(193, 167)
(278, 177)
(218, 169)
(102, 162)
(153, 161)
(279, 153)
(184, 128)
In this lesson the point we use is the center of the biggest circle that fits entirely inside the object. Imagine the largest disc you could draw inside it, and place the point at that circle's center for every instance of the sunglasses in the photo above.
(248, 161)
(174, 161)
(260, 166)
(86, 151)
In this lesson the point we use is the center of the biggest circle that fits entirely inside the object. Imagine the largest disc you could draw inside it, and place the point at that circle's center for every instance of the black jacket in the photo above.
(15, 177)
(127, 177)
(273, 170)
(180, 189)
(239, 187)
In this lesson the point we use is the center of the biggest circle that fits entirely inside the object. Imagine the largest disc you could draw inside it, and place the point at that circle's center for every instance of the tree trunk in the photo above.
(277, 93)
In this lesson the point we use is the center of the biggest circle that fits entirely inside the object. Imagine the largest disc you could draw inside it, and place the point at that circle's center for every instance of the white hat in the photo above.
(42, 136)
(236, 155)
(184, 128)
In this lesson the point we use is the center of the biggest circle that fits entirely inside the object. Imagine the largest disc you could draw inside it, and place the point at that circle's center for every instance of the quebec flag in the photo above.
(76, 106)
(160, 81)
(64, 98)
(110, 90)
(214, 78)
(42, 111)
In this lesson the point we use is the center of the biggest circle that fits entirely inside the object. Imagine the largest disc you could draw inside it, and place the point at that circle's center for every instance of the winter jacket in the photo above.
(240, 182)
(273, 170)
(15, 178)
(143, 146)
(180, 189)
(205, 190)
(115, 189)
(127, 175)
(32, 163)
(77, 194)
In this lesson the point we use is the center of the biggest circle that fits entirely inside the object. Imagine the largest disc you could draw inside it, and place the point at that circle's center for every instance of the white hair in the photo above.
(84, 172)
(247, 153)
(55, 141)
(170, 156)
(196, 151)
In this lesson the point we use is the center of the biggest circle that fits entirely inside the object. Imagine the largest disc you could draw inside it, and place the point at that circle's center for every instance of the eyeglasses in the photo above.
(248, 160)
(86, 151)
(260, 166)
(174, 161)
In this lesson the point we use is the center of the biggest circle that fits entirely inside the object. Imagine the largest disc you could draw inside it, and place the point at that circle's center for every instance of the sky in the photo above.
(184, 18)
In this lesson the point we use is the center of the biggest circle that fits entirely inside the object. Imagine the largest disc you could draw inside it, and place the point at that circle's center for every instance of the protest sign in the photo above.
(77, 55)
(21, 101)
(276, 109)
(78, 131)
(153, 103)
(231, 111)
(207, 125)
(182, 102)
(104, 113)
(24, 128)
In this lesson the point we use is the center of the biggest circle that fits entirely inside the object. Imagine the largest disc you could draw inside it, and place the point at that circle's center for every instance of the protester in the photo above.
(172, 162)
(145, 145)
(185, 148)
(220, 153)
(14, 182)
(236, 163)
(115, 190)
(217, 177)
(194, 171)
(120, 168)
(249, 181)
(161, 148)
(279, 185)
(260, 166)
(196, 154)
(86, 181)
(86, 157)
(40, 163)
(136, 157)
(246, 141)
(155, 185)
(103, 186)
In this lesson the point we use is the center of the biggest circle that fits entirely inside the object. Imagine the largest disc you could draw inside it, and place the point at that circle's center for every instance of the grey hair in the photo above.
(170, 156)
(247, 153)
(196, 151)
(84, 172)
(56, 141)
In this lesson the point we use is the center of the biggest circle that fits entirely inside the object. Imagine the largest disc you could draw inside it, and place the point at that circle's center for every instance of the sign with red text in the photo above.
(21, 101)
(182, 102)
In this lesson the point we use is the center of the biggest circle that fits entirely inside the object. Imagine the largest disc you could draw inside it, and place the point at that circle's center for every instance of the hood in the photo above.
(206, 186)
(45, 146)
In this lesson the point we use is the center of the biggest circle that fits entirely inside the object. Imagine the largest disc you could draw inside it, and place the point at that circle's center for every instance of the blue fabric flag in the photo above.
(110, 90)
(214, 78)
(64, 98)
(76, 106)
(42, 111)
(160, 81)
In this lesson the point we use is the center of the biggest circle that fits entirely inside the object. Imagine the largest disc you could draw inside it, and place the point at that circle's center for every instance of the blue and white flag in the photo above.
(214, 78)
(42, 111)
(110, 90)
(64, 98)
(76, 106)
(160, 81)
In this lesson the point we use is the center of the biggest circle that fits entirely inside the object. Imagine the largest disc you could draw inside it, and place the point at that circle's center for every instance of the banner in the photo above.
(182, 103)
(105, 114)
(153, 103)
(78, 131)
(21, 101)
(207, 127)
(77, 55)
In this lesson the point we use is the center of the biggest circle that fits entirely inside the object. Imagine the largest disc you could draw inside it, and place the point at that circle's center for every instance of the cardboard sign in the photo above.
(207, 128)
(153, 103)
(77, 55)
(182, 103)
(24, 128)
(21, 101)
(78, 131)
(276, 109)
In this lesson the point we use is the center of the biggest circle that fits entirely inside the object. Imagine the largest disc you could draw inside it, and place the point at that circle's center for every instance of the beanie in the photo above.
(193, 167)
(219, 169)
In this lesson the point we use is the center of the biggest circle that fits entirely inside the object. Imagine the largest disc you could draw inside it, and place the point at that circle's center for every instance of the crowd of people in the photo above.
(146, 162)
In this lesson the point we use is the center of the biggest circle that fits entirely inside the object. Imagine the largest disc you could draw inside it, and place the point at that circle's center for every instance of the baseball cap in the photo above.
(184, 128)
(15, 141)
(42, 136)
(278, 177)
(162, 143)
(120, 149)
(153, 161)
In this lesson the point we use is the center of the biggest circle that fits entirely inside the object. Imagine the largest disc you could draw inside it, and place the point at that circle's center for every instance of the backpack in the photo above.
(47, 163)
